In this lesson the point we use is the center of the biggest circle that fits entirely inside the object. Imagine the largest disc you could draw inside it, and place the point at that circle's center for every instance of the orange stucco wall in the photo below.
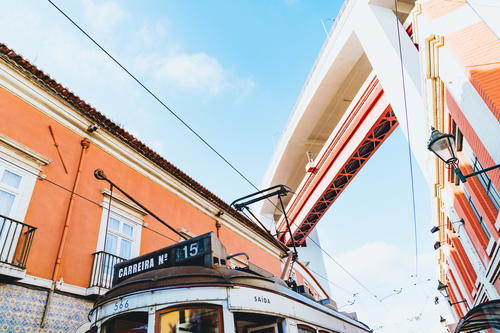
(438, 8)
(48, 206)
(478, 50)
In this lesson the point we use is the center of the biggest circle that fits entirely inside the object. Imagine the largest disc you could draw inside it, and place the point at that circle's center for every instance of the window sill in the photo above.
(12, 272)
(95, 291)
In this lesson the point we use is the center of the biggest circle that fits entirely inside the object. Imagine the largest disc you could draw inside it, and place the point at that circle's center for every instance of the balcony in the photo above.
(102, 271)
(15, 244)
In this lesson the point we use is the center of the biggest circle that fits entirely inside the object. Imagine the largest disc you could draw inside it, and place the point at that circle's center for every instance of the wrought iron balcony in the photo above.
(15, 242)
(102, 269)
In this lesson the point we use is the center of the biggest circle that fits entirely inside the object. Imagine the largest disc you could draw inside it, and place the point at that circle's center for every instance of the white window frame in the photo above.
(123, 210)
(120, 236)
(18, 193)
(26, 163)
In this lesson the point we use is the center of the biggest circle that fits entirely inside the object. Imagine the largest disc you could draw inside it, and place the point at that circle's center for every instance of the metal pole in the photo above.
(482, 171)
(288, 225)
(99, 174)
(255, 217)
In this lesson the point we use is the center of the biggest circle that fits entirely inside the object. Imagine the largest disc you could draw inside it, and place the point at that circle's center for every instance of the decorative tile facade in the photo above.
(21, 310)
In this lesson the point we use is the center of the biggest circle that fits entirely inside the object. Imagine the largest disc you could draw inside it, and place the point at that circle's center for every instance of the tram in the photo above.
(189, 287)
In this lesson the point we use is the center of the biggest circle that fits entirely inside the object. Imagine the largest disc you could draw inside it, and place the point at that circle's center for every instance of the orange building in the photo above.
(61, 229)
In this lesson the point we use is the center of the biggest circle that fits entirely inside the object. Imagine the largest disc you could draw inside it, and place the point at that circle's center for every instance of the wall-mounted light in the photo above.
(436, 228)
(437, 245)
(443, 289)
(443, 146)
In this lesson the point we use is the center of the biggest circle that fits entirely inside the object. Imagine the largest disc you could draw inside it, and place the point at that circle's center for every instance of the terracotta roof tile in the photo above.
(92, 114)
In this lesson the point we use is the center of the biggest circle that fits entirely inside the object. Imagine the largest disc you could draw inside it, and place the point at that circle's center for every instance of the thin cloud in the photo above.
(197, 72)
(103, 17)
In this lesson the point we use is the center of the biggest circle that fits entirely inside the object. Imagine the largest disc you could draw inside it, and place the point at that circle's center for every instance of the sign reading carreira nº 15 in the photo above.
(205, 250)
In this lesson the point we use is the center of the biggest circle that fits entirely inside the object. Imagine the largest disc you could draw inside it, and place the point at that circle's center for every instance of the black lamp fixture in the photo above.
(443, 289)
(443, 145)
(436, 228)
(437, 245)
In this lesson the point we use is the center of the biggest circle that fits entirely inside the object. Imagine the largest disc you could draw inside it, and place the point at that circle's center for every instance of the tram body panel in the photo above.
(287, 306)
(180, 290)
(230, 300)
(159, 299)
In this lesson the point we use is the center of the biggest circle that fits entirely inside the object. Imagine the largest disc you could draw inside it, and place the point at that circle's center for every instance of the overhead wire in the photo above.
(179, 118)
(333, 284)
(339, 265)
(110, 210)
(412, 181)
(45, 179)
(184, 123)
(344, 269)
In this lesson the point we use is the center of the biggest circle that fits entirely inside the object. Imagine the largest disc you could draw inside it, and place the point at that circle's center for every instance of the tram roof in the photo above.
(189, 276)
(200, 276)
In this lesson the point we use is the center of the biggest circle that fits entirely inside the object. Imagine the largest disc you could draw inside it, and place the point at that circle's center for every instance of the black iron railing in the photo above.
(102, 269)
(15, 241)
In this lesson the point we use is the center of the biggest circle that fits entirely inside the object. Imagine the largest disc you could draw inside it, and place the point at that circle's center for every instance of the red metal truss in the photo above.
(373, 117)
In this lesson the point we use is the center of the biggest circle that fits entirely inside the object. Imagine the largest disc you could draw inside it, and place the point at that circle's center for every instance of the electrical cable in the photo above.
(181, 120)
(154, 96)
(412, 181)
(81, 196)
(333, 284)
(174, 240)
(344, 269)
(155, 231)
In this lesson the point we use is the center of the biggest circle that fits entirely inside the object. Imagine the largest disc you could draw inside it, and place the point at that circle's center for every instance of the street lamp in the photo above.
(443, 289)
(443, 145)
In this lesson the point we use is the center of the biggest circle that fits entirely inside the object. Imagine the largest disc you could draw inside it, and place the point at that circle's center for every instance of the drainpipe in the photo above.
(85, 143)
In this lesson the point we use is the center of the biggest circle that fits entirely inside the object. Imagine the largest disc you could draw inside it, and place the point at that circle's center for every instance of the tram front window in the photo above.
(246, 322)
(195, 320)
(132, 322)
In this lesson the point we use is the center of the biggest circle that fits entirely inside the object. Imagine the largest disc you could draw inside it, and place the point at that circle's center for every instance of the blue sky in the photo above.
(233, 70)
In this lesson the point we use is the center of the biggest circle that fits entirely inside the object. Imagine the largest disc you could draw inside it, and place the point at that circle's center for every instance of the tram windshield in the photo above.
(132, 322)
(195, 320)
(257, 323)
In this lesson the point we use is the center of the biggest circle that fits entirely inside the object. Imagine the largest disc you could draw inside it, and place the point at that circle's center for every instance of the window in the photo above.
(201, 319)
(478, 215)
(19, 167)
(16, 186)
(305, 329)
(486, 183)
(10, 183)
(132, 322)
(120, 231)
(120, 237)
(15, 191)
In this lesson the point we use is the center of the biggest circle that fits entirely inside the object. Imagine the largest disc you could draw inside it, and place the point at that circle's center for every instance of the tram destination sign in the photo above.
(205, 250)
